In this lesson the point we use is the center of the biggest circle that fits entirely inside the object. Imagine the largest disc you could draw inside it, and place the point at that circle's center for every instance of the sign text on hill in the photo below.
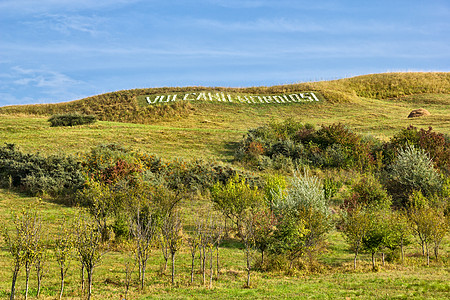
(227, 97)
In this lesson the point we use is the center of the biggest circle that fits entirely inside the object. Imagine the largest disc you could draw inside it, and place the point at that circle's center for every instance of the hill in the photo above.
(124, 106)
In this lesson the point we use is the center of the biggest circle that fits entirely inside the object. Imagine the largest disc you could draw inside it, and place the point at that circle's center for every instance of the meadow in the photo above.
(372, 106)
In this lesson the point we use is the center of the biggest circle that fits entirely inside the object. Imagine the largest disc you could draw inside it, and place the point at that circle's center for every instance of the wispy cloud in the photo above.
(67, 24)
(48, 86)
(44, 6)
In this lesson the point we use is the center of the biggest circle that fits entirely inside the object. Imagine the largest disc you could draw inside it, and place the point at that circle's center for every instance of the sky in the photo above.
(61, 50)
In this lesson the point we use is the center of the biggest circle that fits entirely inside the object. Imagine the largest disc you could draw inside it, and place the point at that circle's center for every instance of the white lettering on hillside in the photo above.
(226, 97)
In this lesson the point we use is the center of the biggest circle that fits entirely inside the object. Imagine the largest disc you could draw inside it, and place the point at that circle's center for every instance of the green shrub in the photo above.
(55, 174)
(437, 145)
(412, 170)
(71, 119)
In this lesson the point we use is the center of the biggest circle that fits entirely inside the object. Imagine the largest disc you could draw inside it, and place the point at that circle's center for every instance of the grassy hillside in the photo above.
(123, 106)
(374, 105)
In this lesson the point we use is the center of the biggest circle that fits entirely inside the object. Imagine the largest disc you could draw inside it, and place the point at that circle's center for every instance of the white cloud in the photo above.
(67, 24)
(18, 7)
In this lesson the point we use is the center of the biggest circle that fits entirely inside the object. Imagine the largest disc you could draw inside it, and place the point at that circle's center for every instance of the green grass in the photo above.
(337, 280)
(211, 131)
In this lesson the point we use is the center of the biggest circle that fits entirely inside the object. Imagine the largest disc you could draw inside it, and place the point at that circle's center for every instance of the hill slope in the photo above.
(123, 105)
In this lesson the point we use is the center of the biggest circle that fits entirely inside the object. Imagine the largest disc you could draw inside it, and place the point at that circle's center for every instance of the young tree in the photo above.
(101, 202)
(374, 239)
(24, 245)
(88, 245)
(232, 198)
(194, 243)
(247, 235)
(398, 234)
(355, 224)
(64, 245)
(171, 232)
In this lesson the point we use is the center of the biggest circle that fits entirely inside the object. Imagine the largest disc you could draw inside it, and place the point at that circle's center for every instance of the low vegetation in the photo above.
(303, 207)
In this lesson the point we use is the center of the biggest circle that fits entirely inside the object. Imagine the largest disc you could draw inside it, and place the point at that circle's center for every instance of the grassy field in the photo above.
(336, 280)
(376, 105)
(212, 129)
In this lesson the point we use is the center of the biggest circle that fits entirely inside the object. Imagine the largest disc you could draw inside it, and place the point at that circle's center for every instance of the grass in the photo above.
(337, 280)
(212, 129)
(376, 105)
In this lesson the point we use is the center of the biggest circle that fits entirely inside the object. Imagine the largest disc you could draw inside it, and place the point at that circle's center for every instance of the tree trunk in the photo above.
(82, 278)
(204, 266)
(436, 250)
(89, 283)
(217, 261)
(248, 268)
(173, 268)
(428, 255)
(402, 251)
(14, 279)
(62, 282)
(27, 278)
(192, 268)
(210, 267)
(354, 259)
(262, 257)
(373, 260)
(382, 257)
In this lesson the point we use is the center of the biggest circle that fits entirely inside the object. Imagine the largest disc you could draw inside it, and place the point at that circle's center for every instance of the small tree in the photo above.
(171, 230)
(88, 245)
(24, 245)
(355, 224)
(398, 234)
(247, 235)
(412, 170)
(64, 245)
(375, 237)
(232, 198)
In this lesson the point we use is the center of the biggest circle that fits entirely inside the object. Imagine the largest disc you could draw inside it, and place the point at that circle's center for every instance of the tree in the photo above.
(64, 245)
(24, 245)
(101, 202)
(398, 234)
(232, 198)
(375, 237)
(303, 216)
(88, 245)
(171, 232)
(355, 224)
(247, 235)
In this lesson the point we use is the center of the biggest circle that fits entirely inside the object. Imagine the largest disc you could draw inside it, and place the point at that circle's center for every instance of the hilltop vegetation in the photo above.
(123, 106)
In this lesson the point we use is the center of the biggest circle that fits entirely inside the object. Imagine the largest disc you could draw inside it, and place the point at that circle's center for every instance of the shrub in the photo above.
(55, 174)
(71, 119)
(368, 192)
(412, 170)
(437, 145)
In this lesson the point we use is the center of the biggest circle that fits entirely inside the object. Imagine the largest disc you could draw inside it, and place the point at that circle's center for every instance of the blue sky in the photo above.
(62, 50)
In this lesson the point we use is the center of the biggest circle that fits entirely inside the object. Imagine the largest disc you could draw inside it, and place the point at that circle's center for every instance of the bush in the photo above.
(33, 173)
(437, 145)
(369, 193)
(412, 170)
(71, 119)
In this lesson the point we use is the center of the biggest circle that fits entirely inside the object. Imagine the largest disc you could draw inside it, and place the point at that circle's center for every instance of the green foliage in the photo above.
(55, 174)
(71, 119)
(289, 144)
(412, 170)
(234, 197)
(303, 216)
(368, 192)
(436, 145)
